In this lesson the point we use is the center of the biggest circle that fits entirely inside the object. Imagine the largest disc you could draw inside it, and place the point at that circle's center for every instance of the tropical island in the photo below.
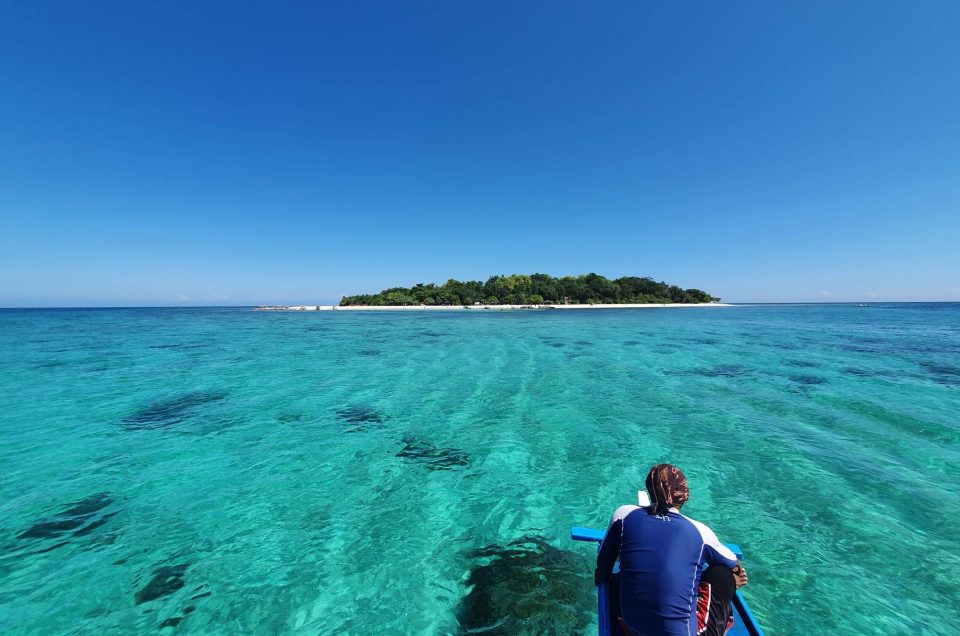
(535, 289)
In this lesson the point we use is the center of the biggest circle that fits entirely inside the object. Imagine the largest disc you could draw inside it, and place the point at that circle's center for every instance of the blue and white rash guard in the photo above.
(660, 558)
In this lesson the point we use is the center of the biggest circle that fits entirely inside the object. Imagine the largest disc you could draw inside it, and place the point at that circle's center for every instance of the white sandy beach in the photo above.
(479, 307)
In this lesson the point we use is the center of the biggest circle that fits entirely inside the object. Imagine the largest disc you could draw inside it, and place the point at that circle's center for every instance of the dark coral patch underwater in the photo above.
(166, 413)
(943, 373)
(802, 364)
(701, 340)
(433, 457)
(183, 346)
(527, 587)
(807, 380)
(78, 519)
(361, 418)
(431, 334)
(860, 372)
(716, 371)
(166, 580)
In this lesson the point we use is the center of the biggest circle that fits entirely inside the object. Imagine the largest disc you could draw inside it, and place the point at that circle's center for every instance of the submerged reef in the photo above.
(527, 587)
(802, 364)
(806, 380)
(166, 580)
(78, 519)
(702, 340)
(181, 346)
(170, 412)
(716, 371)
(173, 621)
(943, 373)
(431, 334)
(361, 418)
(433, 457)
(860, 372)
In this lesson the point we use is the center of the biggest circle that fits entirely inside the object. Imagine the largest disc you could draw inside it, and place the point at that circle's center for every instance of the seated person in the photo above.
(661, 590)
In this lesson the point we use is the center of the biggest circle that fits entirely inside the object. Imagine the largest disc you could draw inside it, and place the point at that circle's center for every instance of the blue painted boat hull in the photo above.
(744, 623)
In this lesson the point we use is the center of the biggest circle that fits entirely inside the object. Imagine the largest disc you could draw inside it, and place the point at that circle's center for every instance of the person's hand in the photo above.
(740, 576)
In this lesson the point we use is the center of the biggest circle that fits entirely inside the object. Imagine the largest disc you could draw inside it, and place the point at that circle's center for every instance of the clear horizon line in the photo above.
(785, 302)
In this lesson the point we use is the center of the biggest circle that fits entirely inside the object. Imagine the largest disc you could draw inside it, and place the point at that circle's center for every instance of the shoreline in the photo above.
(479, 307)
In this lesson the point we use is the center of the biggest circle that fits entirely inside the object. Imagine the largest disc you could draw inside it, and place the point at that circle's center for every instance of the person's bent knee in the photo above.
(721, 579)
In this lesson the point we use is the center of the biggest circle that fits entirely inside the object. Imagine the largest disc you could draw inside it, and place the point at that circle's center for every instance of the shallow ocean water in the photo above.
(225, 471)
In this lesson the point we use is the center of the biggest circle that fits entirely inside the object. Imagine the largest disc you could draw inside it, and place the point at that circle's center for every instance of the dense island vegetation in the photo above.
(519, 289)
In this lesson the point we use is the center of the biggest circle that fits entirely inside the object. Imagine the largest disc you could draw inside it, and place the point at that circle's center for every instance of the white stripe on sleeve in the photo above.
(620, 513)
(710, 539)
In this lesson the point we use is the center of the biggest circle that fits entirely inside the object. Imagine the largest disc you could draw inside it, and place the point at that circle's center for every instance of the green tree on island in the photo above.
(537, 289)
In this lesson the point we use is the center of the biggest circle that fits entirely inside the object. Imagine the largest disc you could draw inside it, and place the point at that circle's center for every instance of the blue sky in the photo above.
(208, 153)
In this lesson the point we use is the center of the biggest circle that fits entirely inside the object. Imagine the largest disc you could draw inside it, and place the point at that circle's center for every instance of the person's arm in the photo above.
(610, 547)
(714, 552)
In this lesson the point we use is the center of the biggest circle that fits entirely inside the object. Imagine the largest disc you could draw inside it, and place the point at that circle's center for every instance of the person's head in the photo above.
(667, 487)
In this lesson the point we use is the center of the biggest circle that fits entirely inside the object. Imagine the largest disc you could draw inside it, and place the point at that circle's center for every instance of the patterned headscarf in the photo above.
(667, 487)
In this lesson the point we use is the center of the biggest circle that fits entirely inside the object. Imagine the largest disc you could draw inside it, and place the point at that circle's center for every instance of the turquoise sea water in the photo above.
(229, 471)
